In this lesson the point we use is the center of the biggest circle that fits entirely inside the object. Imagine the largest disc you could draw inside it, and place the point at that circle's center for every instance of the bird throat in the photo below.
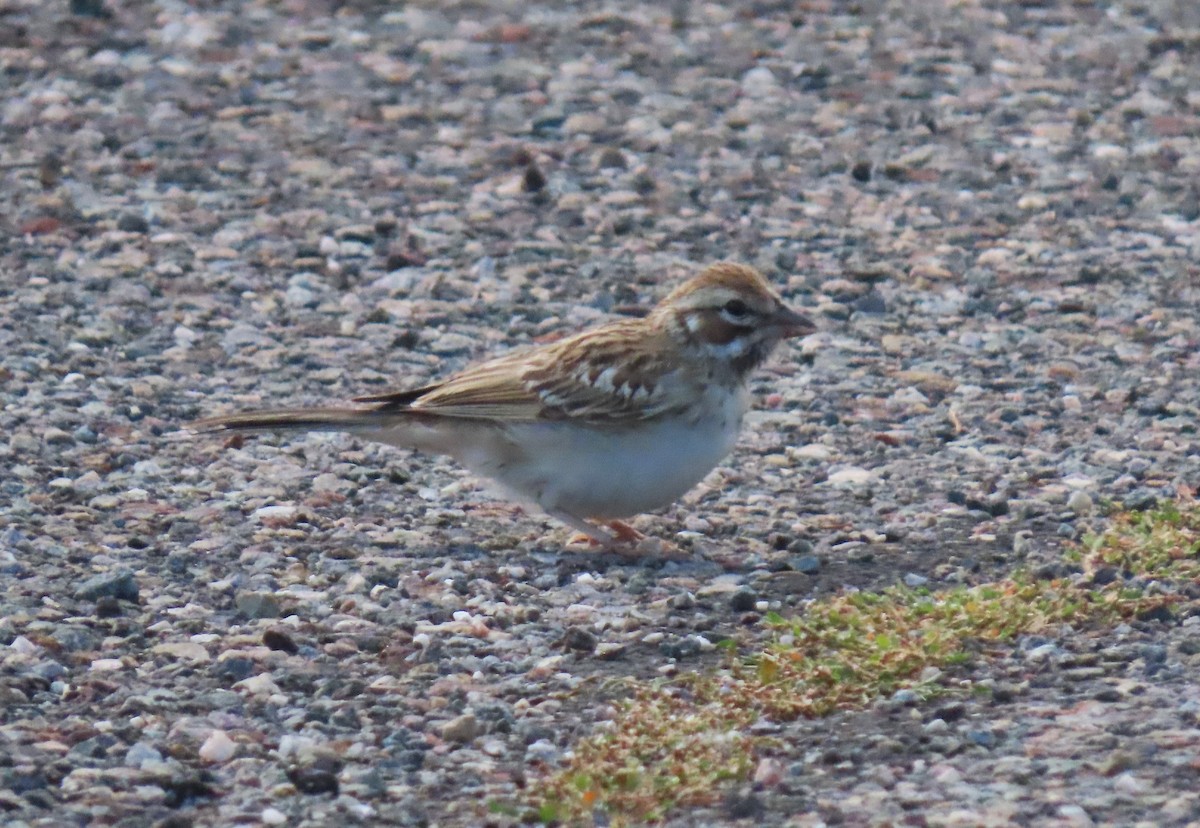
(753, 355)
(734, 347)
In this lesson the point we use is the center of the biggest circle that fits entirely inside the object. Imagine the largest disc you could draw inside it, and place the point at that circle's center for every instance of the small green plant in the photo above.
(665, 748)
(1155, 544)
(676, 744)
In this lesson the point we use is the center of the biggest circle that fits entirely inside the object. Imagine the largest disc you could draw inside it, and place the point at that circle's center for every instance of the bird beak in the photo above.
(792, 323)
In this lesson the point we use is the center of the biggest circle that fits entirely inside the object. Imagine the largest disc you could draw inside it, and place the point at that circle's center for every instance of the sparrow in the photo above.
(602, 425)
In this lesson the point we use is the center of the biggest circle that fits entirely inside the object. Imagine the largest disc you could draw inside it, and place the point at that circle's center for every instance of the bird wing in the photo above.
(595, 377)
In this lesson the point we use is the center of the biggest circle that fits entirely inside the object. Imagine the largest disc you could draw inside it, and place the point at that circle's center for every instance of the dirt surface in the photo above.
(992, 207)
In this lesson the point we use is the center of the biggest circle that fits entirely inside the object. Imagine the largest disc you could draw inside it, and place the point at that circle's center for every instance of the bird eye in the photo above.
(736, 307)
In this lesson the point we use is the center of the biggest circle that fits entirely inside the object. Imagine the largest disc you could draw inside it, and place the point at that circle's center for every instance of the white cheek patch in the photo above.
(693, 322)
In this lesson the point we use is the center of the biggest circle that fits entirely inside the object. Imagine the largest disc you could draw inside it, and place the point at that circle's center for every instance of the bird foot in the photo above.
(631, 545)
(624, 532)
(621, 533)
(618, 538)
(582, 539)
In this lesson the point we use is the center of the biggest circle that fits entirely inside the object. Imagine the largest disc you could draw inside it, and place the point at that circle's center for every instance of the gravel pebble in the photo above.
(461, 729)
(218, 748)
(119, 584)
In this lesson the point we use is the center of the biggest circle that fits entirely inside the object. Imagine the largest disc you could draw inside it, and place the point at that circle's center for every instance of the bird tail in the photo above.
(292, 419)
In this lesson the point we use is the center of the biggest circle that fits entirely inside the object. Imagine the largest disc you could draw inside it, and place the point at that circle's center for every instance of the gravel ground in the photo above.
(994, 207)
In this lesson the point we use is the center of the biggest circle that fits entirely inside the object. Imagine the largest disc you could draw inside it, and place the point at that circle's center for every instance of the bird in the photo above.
(593, 428)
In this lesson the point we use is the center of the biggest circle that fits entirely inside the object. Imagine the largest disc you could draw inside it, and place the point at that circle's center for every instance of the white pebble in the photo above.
(994, 257)
(23, 645)
(218, 747)
(758, 81)
(274, 512)
(256, 685)
(851, 476)
(1110, 152)
(1075, 816)
(107, 665)
(1127, 783)
(327, 482)
(812, 451)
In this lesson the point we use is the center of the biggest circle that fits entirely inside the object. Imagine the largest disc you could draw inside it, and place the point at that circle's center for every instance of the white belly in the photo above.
(613, 473)
(603, 473)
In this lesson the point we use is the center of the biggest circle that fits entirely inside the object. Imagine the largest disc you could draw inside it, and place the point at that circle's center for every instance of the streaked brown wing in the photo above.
(612, 375)
(592, 376)
(493, 389)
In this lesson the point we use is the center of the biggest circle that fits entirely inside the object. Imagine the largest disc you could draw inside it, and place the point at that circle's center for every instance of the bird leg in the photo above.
(623, 540)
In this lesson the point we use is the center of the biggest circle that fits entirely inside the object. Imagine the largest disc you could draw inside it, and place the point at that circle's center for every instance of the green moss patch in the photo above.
(685, 742)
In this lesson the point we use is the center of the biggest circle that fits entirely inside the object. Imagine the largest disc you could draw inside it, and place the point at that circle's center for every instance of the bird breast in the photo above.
(615, 472)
